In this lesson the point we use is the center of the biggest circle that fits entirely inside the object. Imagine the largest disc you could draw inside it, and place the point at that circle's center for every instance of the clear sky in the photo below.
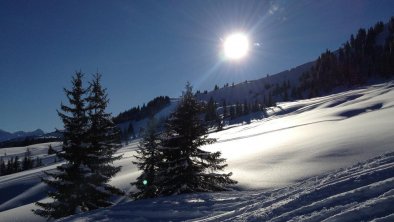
(149, 48)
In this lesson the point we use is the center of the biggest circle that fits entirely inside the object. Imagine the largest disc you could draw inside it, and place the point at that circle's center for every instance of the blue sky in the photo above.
(149, 48)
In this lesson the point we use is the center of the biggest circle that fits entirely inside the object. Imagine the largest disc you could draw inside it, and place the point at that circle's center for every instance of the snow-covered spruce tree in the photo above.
(147, 159)
(90, 142)
(103, 142)
(68, 186)
(184, 167)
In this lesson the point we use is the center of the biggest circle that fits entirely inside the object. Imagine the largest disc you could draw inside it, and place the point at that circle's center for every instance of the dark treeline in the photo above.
(14, 165)
(148, 110)
(215, 112)
(29, 141)
(364, 56)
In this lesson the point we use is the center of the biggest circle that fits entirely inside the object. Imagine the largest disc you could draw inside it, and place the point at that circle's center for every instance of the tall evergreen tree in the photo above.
(68, 183)
(185, 167)
(147, 160)
(90, 142)
(104, 140)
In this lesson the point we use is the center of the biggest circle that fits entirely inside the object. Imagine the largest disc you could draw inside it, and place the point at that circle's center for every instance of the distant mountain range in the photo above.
(22, 138)
(4, 135)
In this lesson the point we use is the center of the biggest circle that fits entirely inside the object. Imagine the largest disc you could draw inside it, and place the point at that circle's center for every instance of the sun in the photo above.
(236, 46)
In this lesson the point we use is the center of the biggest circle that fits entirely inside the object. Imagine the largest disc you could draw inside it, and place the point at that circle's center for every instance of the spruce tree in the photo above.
(185, 167)
(2, 167)
(68, 186)
(16, 166)
(219, 122)
(90, 142)
(104, 140)
(51, 150)
(10, 164)
(27, 162)
(147, 160)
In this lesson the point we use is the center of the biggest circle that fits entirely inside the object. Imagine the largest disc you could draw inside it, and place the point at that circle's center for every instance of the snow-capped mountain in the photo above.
(4, 135)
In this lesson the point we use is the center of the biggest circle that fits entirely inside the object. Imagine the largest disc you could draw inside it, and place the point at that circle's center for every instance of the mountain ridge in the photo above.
(5, 135)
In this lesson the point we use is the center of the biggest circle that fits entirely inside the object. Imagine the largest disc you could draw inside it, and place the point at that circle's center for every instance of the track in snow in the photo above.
(364, 192)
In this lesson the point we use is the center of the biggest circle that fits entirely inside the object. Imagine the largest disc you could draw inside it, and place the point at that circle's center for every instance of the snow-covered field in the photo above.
(288, 167)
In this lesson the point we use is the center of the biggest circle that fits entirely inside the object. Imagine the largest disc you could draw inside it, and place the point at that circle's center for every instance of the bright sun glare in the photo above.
(236, 46)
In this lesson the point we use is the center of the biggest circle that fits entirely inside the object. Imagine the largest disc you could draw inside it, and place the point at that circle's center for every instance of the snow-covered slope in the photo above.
(161, 116)
(251, 91)
(280, 162)
(364, 192)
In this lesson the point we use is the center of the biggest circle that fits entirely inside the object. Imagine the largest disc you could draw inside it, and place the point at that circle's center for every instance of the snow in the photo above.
(254, 90)
(302, 163)
(37, 150)
(362, 192)
(160, 116)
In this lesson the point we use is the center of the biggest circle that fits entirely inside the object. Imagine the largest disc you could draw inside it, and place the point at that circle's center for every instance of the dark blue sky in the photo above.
(149, 48)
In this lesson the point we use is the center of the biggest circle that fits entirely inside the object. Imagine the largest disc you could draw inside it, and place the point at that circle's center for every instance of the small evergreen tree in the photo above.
(210, 114)
(10, 166)
(186, 168)
(16, 165)
(37, 162)
(51, 150)
(148, 158)
(219, 122)
(2, 167)
(27, 162)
